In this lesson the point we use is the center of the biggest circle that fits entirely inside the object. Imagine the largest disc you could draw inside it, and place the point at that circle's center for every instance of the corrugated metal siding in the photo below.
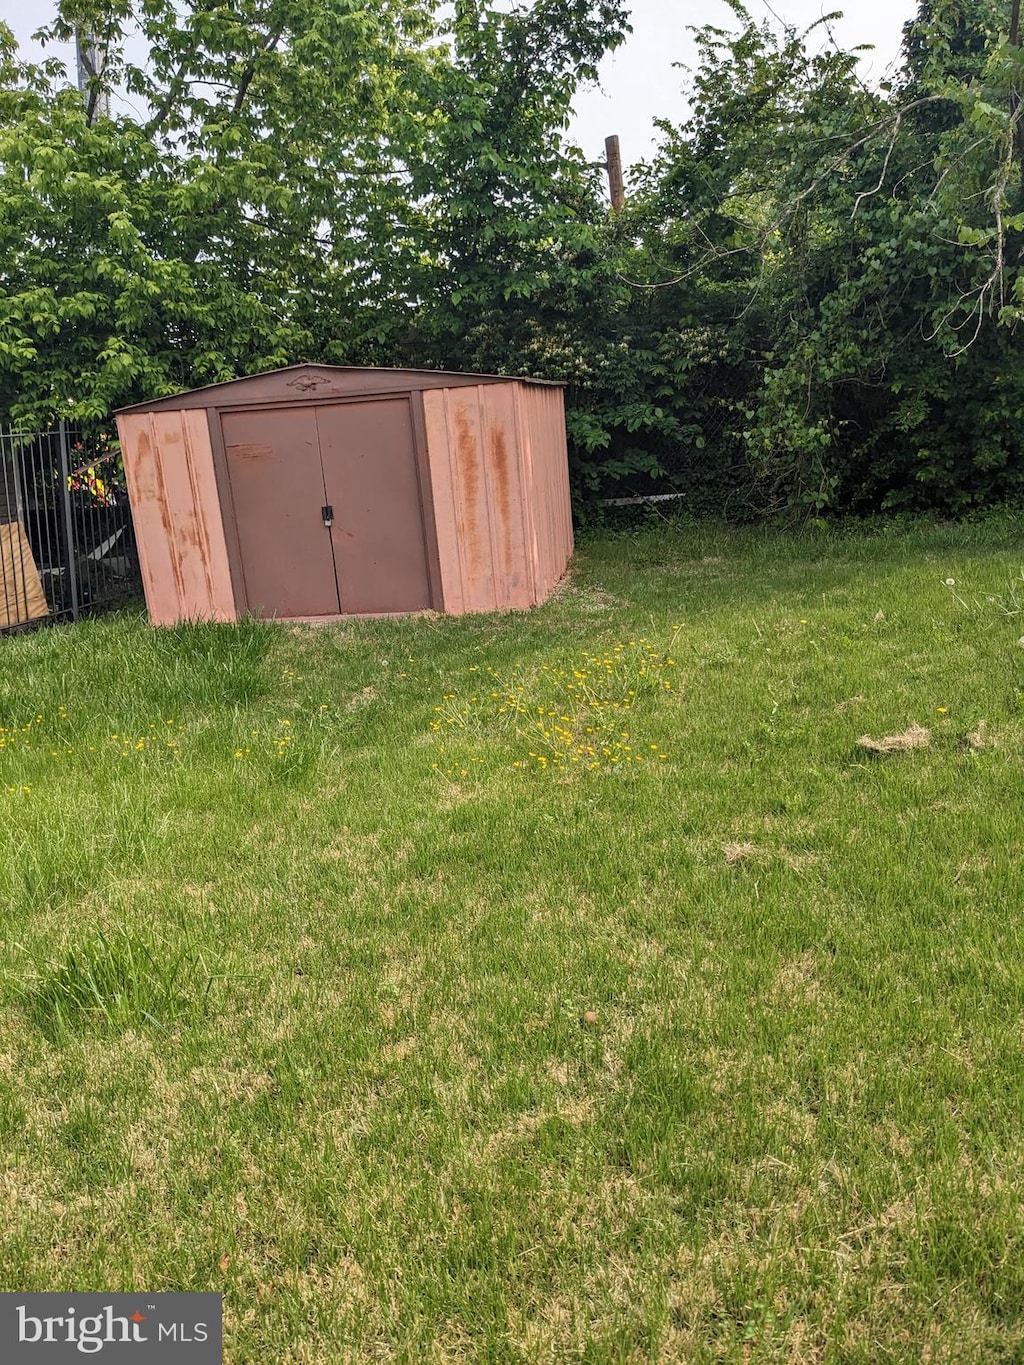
(561, 494)
(465, 423)
(524, 442)
(500, 481)
(545, 454)
(506, 497)
(442, 491)
(479, 498)
(176, 508)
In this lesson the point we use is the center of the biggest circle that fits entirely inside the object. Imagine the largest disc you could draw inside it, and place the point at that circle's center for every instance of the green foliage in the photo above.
(331, 180)
(857, 255)
(809, 303)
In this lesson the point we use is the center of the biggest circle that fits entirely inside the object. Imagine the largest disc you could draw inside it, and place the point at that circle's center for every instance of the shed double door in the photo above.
(327, 508)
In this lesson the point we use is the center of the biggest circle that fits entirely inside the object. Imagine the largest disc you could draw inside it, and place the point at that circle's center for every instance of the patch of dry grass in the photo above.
(914, 737)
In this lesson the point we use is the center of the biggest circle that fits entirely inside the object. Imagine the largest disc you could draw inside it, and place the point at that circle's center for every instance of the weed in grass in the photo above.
(576, 713)
(1006, 605)
(1011, 602)
(114, 982)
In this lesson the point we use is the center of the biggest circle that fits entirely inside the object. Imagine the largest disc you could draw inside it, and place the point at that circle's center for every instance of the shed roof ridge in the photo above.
(168, 400)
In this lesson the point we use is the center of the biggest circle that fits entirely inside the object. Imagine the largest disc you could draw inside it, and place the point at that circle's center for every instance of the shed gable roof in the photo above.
(305, 383)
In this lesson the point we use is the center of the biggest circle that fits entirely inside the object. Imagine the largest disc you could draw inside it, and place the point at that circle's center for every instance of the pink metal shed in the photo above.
(321, 491)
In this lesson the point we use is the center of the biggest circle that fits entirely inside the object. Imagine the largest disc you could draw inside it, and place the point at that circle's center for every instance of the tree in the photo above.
(840, 268)
(298, 179)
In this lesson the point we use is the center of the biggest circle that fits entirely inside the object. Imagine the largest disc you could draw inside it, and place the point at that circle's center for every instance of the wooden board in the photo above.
(21, 592)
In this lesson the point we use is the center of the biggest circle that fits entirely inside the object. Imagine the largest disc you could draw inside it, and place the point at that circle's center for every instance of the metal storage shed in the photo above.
(321, 491)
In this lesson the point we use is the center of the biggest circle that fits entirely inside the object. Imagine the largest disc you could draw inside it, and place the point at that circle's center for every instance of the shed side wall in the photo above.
(506, 500)
(464, 412)
(478, 494)
(546, 468)
(464, 422)
(442, 491)
(168, 464)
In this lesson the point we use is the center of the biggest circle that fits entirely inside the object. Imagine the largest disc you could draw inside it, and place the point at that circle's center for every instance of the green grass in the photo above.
(336, 977)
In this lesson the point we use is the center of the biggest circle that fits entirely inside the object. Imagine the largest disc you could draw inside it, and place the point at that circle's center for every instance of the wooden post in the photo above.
(613, 164)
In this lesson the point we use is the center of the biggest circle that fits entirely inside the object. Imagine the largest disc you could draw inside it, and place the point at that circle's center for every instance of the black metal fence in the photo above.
(66, 542)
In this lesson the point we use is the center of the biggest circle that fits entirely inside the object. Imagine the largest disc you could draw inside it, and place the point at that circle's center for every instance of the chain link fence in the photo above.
(67, 547)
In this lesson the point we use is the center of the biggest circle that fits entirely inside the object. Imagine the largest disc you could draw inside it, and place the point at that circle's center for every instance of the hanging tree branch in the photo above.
(175, 89)
(178, 83)
(1015, 93)
(273, 38)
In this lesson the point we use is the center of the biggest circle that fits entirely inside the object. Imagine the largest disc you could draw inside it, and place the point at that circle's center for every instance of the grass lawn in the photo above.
(562, 986)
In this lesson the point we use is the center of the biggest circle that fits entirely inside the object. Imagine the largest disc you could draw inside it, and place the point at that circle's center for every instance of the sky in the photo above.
(641, 81)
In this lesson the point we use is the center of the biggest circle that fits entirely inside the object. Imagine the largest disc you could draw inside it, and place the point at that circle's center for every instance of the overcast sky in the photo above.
(641, 82)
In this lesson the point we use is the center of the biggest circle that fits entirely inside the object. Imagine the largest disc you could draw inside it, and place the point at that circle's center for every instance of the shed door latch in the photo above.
(327, 513)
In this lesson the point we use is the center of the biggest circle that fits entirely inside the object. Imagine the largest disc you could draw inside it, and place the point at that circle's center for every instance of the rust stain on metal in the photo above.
(255, 450)
(469, 477)
(143, 453)
(499, 466)
(169, 435)
(188, 533)
(148, 465)
(200, 538)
